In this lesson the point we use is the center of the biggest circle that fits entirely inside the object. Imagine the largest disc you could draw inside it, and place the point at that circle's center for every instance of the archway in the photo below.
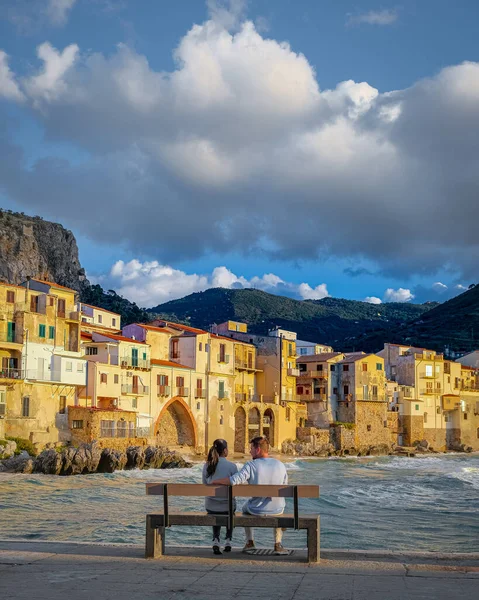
(176, 425)
(254, 429)
(240, 430)
(268, 426)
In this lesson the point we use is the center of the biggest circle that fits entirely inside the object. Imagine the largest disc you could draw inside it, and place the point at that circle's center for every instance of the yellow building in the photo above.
(42, 368)
(94, 318)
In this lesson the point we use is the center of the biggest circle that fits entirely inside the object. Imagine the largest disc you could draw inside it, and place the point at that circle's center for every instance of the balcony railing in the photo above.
(244, 364)
(470, 388)
(73, 315)
(223, 395)
(293, 372)
(129, 362)
(427, 376)
(182, 391)
(289, 398)
(313, 374)
(12, 374)
(11, 337)
(139, 390)
(200, 393)
(224, 358)
(163, 390)
(244, 397)
(431, 391)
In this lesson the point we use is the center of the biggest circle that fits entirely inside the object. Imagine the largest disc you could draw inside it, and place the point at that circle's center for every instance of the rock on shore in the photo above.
(90, 458)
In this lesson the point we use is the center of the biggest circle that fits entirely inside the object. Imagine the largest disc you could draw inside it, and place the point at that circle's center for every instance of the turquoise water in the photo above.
(426, 503)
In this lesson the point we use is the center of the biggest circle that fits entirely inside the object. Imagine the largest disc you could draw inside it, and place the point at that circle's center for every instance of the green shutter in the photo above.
(144, 355)
(221, 389)
(41, 331)
(51, 332)
(11, 332)
(134, 357)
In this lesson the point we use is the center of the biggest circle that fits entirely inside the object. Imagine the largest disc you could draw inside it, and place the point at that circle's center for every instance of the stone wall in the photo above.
(320, 438)
(343, 438)
(436, 438)
(393, 426)
(413, 429)
(346, 412)
(91, 426)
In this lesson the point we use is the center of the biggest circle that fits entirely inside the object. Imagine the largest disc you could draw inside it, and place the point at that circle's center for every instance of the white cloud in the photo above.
(8, 85)
(439, 287)
(238, 150)
(227, 13)
(150, 283)
(373, 300)
(399, 295)
(49, 83)
(58, 10)
(373, 17)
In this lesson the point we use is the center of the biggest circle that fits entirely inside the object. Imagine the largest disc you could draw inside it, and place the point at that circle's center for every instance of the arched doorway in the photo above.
(176, 425)
(254, 423)
(268, 426)
(240, 430)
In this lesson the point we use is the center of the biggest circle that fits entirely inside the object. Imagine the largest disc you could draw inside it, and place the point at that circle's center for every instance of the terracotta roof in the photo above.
(99, 308)
(98, 409)
(168, 363)
(85, 325)
(355, 358)
(182, 327)
(119, 338)
(317, 357)
(230, 339)
(468, 368)
(153, 328)
(52, 284)
(86, 335)
(4, 283)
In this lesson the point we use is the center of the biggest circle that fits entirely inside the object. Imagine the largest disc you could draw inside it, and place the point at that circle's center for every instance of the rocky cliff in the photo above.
(30, 246)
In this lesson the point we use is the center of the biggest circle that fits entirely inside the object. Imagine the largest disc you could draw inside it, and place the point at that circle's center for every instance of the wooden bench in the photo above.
(156, 523)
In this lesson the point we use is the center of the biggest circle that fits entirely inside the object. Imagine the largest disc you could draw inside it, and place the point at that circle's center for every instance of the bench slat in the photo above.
(197, 519)
(221, 491)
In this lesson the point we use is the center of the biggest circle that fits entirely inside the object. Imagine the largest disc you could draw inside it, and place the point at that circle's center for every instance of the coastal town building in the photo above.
(98, 319)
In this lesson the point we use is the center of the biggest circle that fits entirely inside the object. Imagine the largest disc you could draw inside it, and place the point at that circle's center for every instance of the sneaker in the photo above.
(227, 545)
(280, 550)
(249, 546)
(216, 546)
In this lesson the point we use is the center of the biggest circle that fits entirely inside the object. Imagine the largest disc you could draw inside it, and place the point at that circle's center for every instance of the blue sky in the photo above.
(220, 182)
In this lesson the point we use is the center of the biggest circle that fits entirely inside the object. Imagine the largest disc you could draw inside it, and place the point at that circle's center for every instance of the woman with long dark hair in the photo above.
(216, 467)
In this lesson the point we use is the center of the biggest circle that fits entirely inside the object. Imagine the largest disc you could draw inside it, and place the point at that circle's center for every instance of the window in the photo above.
(3, 402)
(369, 427)
(379, 366)
(364, 366)
(365, 392)
(438, 410)
(303, 351)
(10, 297)
(288, 413)
(107, 429)
(332, 368)
(428, 370)
(134, 402)
(51, 301)
(69, 366)
(221, 420)
(346, 390)
(221, 389)
(42, 331)
(77, 424)
(132, 429)
(465, 416)
(222, 357)
(63, 405)
(100, 319)
(180, 382)
(134, 357)
(10, 331)
(103, 378)
(345, 368)
(374, 391)
(174, 349)
(207, 347)
(300, 390)
(34, 303)
(335, 390)
(144, 355)
(290, 350)
(113, 322)
(319, 367)
(92, 351)
(162, 380)
(61, 308)
(198, 405)
(200, 346)
(79, 367)
(385, 423)
(199, 385)
(417, 407)
(425, 417)
(25, 406)
(116, 378)
(447, 367)
(122, 429)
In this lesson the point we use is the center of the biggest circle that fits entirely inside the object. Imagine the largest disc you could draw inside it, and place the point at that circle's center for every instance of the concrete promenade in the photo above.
(77, 571)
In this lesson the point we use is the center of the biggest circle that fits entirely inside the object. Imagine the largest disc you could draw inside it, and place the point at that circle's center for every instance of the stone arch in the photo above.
(240, 430)
(268, 426)
(176, 425)
(254, 423)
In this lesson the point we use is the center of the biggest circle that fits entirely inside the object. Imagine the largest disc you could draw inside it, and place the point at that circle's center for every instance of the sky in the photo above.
(308, 148)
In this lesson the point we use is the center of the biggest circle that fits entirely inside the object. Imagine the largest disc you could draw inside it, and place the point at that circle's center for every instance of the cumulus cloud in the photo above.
(238, 149)
(373, 300)
(399, 295)
(151, 283)
(373, 17)
(8, 85)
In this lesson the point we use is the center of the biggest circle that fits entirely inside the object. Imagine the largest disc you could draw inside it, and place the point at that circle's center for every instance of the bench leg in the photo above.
(313, 543)
(155, 540)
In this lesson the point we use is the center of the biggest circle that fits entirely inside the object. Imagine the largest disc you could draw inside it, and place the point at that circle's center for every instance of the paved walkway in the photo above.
(59, 570)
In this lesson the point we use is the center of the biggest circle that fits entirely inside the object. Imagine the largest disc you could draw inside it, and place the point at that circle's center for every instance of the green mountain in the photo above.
(453, 324)
(332, 321)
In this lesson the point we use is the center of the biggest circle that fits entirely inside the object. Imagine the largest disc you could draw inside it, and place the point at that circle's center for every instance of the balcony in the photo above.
(427, 376)
(136, 390)
(163, 390)
(223, 395)
(224, 358)
(289, 398)
(73, 315)
(293, 372)
(129, 362)
(182, 392)
(244, 397)
(200, 393)
(470, 388)
(313, 375)
(12, 374)
(7, 337)
(244, 365)
(431, 391)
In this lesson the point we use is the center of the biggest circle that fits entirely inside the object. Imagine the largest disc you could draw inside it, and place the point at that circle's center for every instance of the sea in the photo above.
(426, 503)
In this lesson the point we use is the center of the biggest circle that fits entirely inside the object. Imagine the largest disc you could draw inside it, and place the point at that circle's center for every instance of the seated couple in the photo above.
(261, 470)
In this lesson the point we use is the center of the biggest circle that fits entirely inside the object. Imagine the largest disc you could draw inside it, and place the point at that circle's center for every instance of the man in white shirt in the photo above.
(262, 470)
